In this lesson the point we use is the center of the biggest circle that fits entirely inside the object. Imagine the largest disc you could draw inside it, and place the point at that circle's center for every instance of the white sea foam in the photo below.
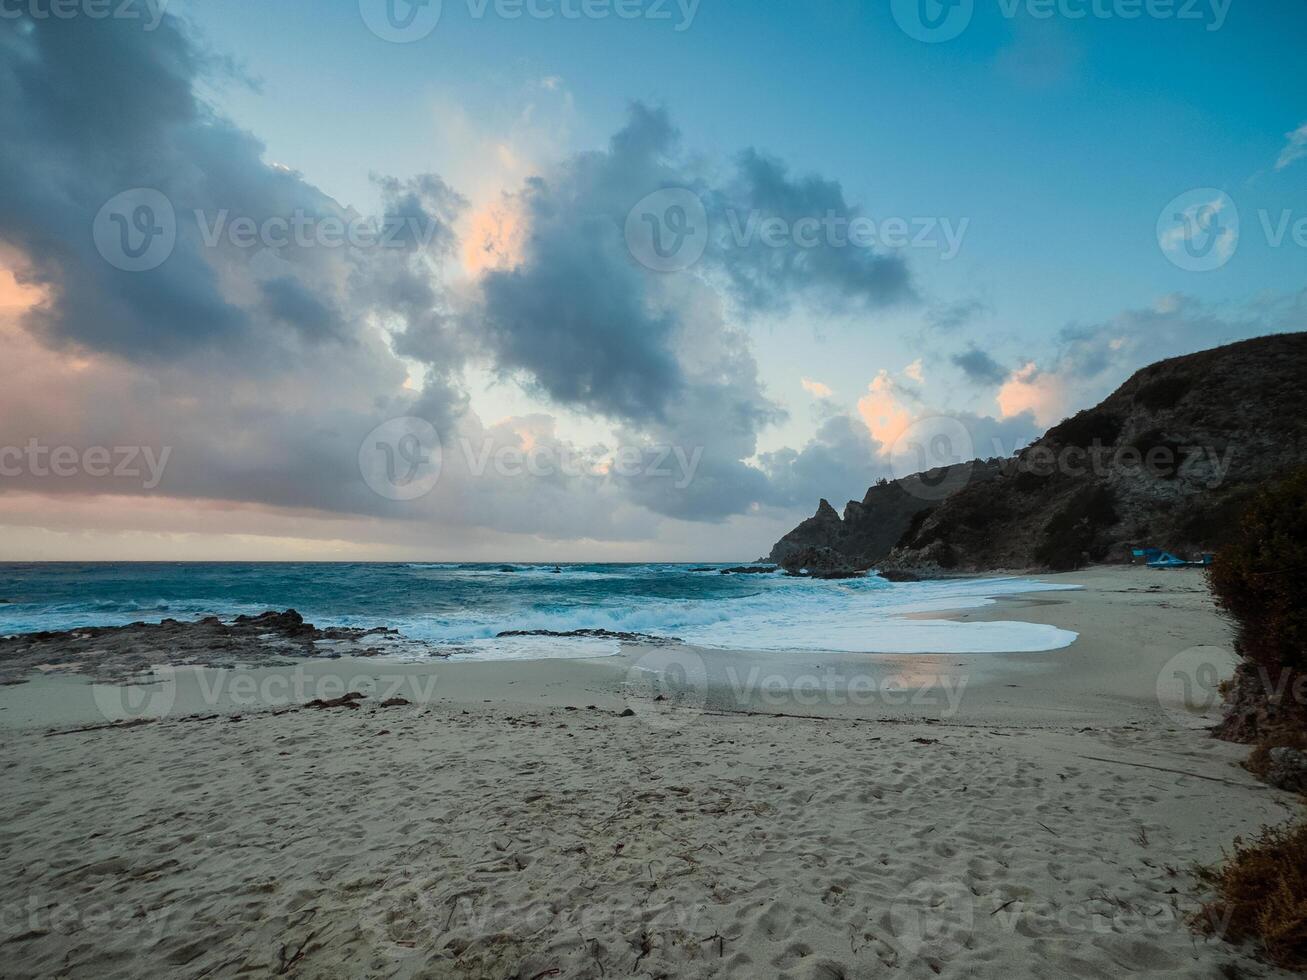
(856, 616)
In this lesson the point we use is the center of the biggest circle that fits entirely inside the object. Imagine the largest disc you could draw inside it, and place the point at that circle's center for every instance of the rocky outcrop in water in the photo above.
(114, 653)
(822, 563)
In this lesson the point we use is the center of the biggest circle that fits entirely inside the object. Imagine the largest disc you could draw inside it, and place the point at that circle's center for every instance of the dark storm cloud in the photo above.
(820, 260)
(288, 300)
(578, 320)
(979, 367)
(839, 463)
(91, 108)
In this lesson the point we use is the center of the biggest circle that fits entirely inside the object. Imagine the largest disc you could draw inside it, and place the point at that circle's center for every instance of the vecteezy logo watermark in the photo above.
(300, 229)
(931, 458)
(403, 21)
(674, 675)
(150, 11)
(933, 917)
(932, 20)
(401, 459)
(667, 231)
(400, 21)
(1189, 684)
(136, 230)
(151, 696)
(1199, 230)
(36, 459)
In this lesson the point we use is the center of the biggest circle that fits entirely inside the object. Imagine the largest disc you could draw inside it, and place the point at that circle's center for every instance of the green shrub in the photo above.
(1260, 577)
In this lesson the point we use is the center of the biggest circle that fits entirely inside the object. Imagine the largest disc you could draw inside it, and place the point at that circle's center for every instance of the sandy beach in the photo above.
(986, 815)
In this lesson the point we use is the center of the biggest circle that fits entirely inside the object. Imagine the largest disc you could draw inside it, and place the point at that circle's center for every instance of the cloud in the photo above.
(1092, 360)
(809, 261)
(979, 367)
(1295, 149)
(947, 317)
(265, 365)
(839, 462)
(1028, 391)
(914, 371)
(884, 411)
(815, 388)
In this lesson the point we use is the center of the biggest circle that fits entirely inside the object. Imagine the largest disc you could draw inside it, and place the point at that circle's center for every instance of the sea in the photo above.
(461, 609)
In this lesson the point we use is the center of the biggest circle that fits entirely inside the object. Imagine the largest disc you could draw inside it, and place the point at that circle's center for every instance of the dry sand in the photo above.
(1037, 816)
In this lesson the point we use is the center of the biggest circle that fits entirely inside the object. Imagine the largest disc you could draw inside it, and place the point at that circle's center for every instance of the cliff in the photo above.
(1168, 459)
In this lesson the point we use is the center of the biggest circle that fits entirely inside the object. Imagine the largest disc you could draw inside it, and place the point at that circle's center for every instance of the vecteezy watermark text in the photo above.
(149, 11)
(137, 230)
(934, 21)
(405, 21)
(36, 459)
(403, 459)
(670, 229)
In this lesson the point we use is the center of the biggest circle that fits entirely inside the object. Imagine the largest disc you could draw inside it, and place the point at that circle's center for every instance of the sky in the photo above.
(619, 280)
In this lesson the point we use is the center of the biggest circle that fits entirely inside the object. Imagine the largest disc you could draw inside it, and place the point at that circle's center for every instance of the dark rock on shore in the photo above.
(116, 653)
(1261, 703)
(601, 634)
(898, 575)
(349, 700)
(1287, 770)
(749, 570)
(822, 563)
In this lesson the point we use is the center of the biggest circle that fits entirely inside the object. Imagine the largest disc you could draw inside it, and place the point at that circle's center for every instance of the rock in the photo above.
(898, 575)
(1288, 770)
(349, 700)
(113, 654)
(821, 563)
(1253, 712)
(626, 713)
(394, 703)
(599, 634)
(749, 570)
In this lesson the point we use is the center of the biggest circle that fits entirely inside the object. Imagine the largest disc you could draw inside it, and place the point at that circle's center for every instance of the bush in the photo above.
(1164, 392)
(1170, 458)
(1085, 428)
(1262, 895)
(1073, 533)
(1260, 577)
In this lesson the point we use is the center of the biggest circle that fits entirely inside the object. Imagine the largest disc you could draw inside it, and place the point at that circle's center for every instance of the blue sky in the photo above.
(1059, 140)
(1050, 142)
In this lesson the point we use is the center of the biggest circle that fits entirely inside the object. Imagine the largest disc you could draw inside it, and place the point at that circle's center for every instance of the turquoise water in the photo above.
(469, 604)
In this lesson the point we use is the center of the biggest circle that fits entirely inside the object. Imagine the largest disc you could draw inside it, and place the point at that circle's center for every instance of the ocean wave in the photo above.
(461, 604)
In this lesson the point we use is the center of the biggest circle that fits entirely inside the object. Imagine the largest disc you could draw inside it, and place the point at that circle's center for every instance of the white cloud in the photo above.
(1294, 149)
(816, 388)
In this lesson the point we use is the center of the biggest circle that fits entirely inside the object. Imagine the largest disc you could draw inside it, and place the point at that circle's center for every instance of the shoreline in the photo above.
(517, 821)
(1107, 675)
